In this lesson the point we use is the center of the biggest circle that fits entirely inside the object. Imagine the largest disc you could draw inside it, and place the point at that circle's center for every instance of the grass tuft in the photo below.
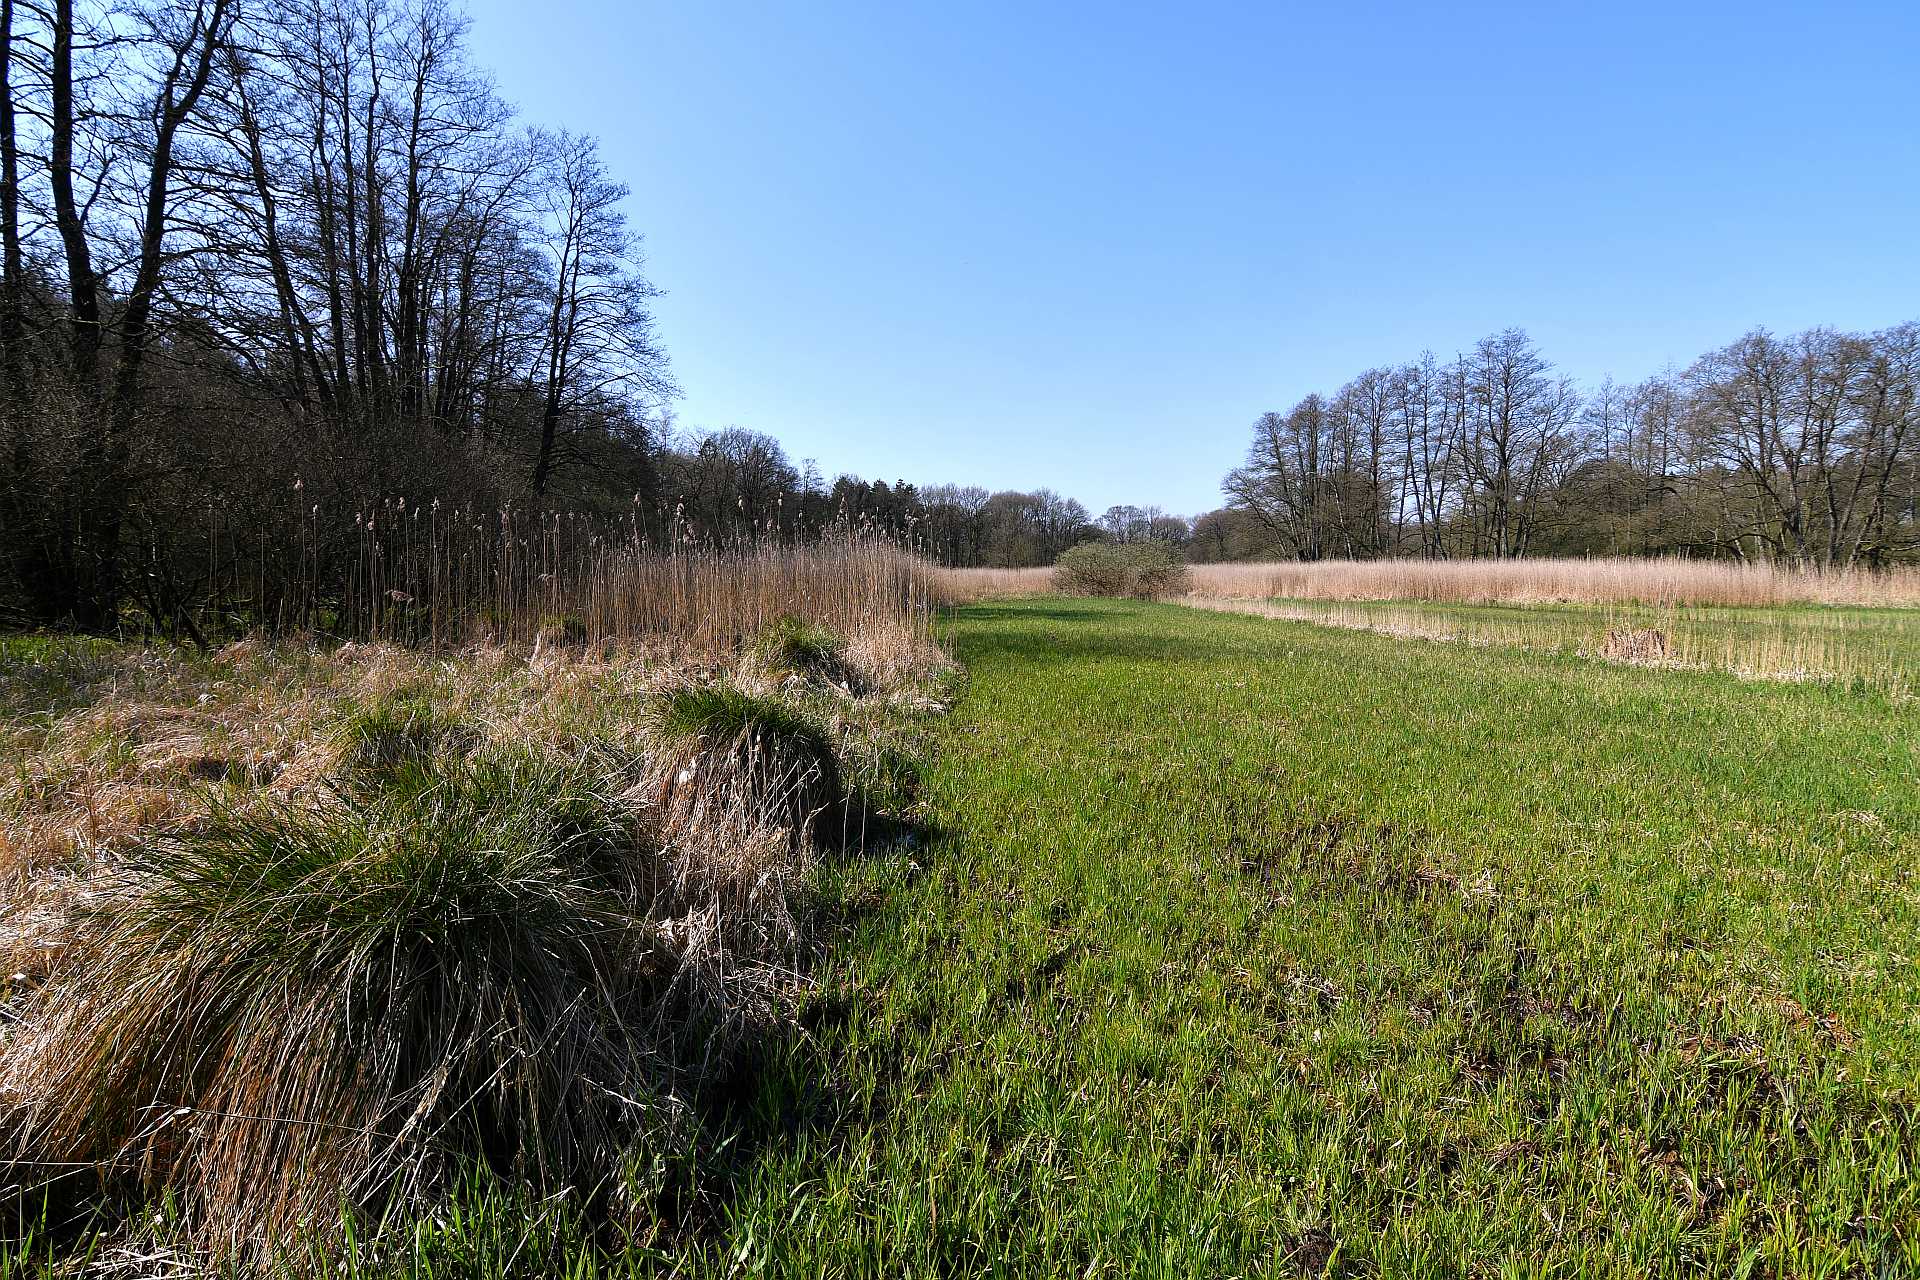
(399, 730)
(792, 646)
(717, 714)
(287, 1009)
(743, 753)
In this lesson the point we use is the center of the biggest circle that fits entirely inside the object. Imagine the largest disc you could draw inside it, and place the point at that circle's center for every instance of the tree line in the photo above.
(256, 249)
(1802, 450)
(268, 266)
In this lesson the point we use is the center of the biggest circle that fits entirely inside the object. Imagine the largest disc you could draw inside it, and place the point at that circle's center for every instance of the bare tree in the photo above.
(599, 331)
(1521, 432)
(1280, 483)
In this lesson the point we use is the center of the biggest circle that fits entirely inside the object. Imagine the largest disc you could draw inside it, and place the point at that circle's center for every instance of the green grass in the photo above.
(719, 713)
(400, 731)
(1258, 948)
(45, 676)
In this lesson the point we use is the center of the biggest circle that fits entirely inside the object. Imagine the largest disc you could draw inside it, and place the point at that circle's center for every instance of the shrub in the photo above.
(1145, 570)
(289, 1010)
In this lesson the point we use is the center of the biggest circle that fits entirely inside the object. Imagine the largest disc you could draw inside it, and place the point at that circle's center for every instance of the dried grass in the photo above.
(1860, 650)
(724, 750)
(953, 587)
(175, 1029)
(284, 1010)
(1644, 645)
(423, 575)
(1662, 582)
(897, 660)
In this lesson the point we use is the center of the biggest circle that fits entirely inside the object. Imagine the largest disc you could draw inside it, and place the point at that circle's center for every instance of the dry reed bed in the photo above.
(1406, 599)
(418, 573)
(606, 840)
(1560, 581)
(1665, 582)
(954, 587)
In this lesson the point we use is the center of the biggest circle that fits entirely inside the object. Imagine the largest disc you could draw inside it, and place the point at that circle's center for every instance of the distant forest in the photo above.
(269, 265)
(1802, 450)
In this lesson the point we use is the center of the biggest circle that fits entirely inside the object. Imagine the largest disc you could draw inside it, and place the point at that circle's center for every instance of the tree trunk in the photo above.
(82, 286)
(107, 510)
(13, 366)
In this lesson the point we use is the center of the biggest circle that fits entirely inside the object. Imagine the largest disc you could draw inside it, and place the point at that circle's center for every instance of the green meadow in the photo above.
(1250, 947)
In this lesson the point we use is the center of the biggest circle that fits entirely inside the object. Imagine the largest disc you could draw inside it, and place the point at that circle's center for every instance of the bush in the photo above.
(1143, 570)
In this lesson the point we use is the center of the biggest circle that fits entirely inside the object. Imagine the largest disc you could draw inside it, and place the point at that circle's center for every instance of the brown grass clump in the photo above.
(287, 1010)
(900, 662)
(791, 649)
(889, 660)
(1645, 645)
(725, 751)
(467, 958)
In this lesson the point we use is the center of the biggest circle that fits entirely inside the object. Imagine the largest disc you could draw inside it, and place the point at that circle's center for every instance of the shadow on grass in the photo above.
(788, 1086)
(51, 675)
(785, 1090)
(1052, 611)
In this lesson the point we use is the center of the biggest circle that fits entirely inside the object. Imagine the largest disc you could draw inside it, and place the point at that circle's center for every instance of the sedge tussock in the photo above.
(726, 751)
(793, 649)
(287, 1009)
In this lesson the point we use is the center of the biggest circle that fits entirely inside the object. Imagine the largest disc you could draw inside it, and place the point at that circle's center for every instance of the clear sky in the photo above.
(1084, 245)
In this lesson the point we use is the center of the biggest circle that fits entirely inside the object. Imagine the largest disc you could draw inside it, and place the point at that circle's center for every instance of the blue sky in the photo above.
(1084, 245)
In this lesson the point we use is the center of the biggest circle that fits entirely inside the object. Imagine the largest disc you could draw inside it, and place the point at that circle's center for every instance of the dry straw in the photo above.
(423, 573)
(1616, 580)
